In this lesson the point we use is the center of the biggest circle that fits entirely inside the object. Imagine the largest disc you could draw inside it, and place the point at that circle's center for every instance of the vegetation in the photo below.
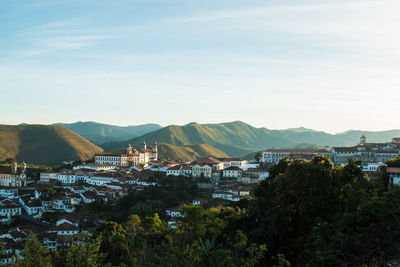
(189, 153)
(99, 133)
(43, 144)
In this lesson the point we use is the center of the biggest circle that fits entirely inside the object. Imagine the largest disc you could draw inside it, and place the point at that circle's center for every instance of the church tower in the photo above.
(129, 149)
(155, 151)
(23, 166)
(363, 140)
(144, 145)
(14, 168)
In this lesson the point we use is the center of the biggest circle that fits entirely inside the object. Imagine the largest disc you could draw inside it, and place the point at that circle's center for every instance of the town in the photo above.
(51, 206)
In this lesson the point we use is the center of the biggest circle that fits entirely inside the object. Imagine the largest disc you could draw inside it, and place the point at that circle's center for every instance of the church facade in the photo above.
(130, 158)
(15, 177)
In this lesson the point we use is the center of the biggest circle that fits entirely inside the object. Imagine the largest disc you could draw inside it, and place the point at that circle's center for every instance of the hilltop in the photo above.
(44, 144)
(99, 133)
(190, 153)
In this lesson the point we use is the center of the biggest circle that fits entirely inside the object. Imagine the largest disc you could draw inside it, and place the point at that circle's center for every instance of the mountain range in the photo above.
(49, 144)
(237, 138)
(99, 133)
(44, 144)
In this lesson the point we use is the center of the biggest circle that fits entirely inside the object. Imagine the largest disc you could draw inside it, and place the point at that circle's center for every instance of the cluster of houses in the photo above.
(64, 233)
(373, 155)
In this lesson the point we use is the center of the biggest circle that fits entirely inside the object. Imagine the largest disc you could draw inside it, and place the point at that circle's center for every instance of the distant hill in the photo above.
(44, 144)
(190, 153)
(239, 139)
(100, 133)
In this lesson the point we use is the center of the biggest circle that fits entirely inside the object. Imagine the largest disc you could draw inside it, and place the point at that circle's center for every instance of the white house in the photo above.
(65, 229)
(34, 208)
(214, 163)
(95, 167)
(66, 178)
(173, 212)
(99, 179)
(233, 162)
(180, 170)
(10, 209)
(233, 172)
(201, 170)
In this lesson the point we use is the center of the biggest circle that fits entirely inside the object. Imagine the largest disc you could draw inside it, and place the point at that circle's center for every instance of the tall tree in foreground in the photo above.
(35, 254)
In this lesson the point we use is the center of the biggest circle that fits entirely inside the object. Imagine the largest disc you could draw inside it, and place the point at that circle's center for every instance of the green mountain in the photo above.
(44, 144)
(100, 133)
(237, 138)
(190, 153)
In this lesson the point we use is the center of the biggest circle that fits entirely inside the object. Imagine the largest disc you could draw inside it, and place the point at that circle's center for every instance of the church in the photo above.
(15, 177)
(130, 158)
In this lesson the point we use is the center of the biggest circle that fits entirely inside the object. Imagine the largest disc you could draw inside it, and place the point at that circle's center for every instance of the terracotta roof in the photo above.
(65, 227)
(209, 161)
(230, 159)
(345, 149)
(233, 168)
(393, 170)
(297, 150)
(34, 204)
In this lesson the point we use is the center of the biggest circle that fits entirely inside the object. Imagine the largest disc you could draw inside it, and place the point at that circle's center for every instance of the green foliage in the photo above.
(394, 162)
(258, 157)
(86, 255)
(35, 254)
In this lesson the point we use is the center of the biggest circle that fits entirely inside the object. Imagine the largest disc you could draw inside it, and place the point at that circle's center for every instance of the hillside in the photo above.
(190, 153)
(99, 133)
(239, 139)
(44, 144)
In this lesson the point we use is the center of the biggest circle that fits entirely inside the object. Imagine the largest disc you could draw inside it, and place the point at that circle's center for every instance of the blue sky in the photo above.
(328, 65)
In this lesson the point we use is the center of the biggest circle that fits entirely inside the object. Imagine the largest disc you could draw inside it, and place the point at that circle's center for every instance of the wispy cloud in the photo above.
(60, 35)
(54, 25)
(267, 10)
(51, 44)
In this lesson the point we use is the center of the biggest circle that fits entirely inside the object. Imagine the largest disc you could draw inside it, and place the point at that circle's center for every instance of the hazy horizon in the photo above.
(325, 65)
(182, 124)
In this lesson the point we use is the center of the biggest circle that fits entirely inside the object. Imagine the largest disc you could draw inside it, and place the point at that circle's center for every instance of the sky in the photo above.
(330, 65)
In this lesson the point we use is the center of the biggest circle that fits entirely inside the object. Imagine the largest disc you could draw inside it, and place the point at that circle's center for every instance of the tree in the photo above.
(35, 254)
(10, 160)
(86, 255)
(258, 157)
(113, 243)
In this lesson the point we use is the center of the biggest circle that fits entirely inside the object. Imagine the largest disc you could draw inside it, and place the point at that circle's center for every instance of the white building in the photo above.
(95, 167)
(180, 170)
(66, 178)
(214, 163)
(233, 162)
(233, 172)
(47, 177)
(202, 170)
(14, 178)
(119, 160)
(275, 155)
(130, 158)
